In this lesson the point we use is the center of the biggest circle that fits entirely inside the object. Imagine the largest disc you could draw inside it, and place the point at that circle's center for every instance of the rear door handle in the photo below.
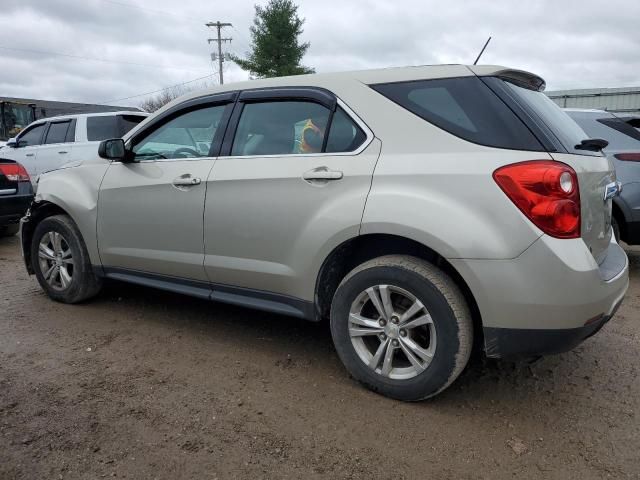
(29, 154)
(186, 181)
(322, 173)
(62, 152)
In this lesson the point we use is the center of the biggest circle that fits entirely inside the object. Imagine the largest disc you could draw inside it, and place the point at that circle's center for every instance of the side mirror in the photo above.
(114, 149)
(12, 143)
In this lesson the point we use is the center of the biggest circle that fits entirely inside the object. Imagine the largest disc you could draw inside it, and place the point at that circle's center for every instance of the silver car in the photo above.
(425, 211)
(623, 134)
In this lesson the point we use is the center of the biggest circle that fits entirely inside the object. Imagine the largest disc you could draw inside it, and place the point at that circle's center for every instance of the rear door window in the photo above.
(57, 132)
(465, 107)
(344, 135)
(280, 128)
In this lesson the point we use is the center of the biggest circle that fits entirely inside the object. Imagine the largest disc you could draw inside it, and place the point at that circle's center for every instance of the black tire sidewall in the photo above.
(443, 364)
(56, 224)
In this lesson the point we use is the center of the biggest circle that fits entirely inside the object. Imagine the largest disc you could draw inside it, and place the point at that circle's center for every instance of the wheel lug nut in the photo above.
(383, 336)
(403, 333)
(382, 322)
(394, 319)
(395, 342)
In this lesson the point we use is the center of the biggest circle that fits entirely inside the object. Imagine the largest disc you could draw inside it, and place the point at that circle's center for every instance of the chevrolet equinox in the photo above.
(423, 211)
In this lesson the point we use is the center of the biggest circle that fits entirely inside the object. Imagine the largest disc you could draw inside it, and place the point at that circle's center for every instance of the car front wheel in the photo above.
(61, 261)
(402, 327)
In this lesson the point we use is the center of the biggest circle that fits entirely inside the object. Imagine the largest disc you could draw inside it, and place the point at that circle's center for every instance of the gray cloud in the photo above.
(571, 44)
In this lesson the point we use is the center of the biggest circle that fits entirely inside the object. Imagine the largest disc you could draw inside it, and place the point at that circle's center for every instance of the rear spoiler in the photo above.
(519, 77)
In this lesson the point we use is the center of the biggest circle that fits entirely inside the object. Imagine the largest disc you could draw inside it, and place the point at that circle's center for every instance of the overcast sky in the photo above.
(129, 47)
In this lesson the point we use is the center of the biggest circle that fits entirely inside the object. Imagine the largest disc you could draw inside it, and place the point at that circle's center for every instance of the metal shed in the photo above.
(624, 100)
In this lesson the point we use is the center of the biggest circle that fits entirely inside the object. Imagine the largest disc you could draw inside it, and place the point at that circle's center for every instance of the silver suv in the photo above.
(424, 211)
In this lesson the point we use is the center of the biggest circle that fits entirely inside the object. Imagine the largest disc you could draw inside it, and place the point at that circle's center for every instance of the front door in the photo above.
(26, 153)
(150, 211)
(290, 186)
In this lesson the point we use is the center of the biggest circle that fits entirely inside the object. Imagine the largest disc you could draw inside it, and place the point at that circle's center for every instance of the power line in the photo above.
(156, 91)
(94, 59)
(153, 10)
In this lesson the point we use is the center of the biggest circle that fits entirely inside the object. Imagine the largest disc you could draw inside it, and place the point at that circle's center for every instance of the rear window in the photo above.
(563, 127)
(619, 134)
(110, 126)
(465, 107)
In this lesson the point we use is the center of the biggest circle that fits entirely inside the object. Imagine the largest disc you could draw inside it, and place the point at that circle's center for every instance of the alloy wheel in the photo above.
(392, 332)
(56, 260)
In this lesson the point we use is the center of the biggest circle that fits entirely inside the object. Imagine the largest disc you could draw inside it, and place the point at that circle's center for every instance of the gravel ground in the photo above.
(145, 384)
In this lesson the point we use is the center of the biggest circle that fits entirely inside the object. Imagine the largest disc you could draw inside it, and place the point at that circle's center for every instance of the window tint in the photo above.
(188, 135)
(280, 128)
(102, 128)
(32, 137)
(344, 134)
(71, 132)
(129, 121)
(566, 130)
(57, 132)
(465, 107)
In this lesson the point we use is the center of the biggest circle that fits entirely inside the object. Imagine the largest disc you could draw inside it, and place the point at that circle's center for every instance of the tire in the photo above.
(9, 230)
(448, 337)
(81, 282)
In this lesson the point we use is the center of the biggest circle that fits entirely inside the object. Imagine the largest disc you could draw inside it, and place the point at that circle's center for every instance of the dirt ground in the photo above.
(145, 384)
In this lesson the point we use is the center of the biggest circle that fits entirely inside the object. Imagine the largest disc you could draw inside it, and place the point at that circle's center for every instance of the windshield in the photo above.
(563, 127)
(16, 118)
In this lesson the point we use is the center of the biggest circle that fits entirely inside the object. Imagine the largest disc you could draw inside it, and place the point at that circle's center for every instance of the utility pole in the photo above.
(219, 25)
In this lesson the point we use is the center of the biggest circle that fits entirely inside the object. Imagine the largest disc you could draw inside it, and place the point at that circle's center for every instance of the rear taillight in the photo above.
(14, 172)
(628, 157)
(546, 192)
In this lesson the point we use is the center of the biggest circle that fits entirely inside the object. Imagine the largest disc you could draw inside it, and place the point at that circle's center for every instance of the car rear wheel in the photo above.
(61, 261)
(401, 327)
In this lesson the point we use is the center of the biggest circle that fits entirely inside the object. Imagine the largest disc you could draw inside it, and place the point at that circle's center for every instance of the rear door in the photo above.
(150, 211)
(57, 145)
(290, 185)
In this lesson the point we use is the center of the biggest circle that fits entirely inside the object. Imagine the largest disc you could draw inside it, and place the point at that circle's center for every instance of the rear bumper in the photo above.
(13, 207)
(522, 342)
(548, 299)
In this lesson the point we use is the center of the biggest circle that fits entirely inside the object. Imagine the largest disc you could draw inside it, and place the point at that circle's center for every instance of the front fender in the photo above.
(75, 190)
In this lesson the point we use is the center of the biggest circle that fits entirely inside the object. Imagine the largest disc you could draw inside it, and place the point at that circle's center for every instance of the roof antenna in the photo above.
(482, 51)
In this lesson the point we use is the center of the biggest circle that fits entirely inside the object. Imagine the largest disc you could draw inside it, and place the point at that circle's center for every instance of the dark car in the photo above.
(623, 134)
(16, 194)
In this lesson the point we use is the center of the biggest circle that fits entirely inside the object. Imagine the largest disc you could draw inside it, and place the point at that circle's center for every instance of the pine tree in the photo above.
(275, 48)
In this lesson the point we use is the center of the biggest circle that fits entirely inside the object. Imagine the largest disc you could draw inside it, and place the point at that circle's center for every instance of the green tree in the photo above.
(275, 49)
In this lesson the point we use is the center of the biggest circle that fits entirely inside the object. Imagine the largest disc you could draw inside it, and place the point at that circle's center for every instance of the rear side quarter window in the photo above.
(464, 107)
(102, 128)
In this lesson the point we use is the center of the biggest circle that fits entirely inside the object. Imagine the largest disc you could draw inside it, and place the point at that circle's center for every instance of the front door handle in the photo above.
(29, 154)
(62, 152)
(186, 180)
(322, 173)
